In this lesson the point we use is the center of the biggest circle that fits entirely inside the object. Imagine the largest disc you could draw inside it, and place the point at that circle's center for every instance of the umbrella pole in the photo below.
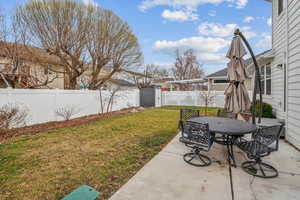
(256, 80)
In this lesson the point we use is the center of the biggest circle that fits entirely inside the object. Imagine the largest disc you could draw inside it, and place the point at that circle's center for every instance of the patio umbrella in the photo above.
(236, 95)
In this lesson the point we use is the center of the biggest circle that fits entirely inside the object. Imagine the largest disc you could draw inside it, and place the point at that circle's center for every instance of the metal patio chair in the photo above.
(186, 114)
(263, 142)
(199, 139)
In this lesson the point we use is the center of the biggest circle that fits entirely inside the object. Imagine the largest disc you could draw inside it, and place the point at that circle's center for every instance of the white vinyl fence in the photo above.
(192, 98)
(42, 104)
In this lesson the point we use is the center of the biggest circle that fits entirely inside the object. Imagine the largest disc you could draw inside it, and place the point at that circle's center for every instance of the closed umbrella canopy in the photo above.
(236, 95)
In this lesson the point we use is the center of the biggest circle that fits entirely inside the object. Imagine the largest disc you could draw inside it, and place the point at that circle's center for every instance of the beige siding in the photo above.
(36, 70)
(293, 116)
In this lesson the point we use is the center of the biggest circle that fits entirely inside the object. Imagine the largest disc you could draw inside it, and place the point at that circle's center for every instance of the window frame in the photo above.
(280, 5)
(266, 77)
(224, 83)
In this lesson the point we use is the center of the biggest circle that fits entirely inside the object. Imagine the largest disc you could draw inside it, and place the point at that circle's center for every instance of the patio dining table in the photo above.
(230, 129)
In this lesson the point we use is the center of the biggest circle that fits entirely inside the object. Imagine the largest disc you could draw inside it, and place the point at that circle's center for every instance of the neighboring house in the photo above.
(127, 79)
(218, 81)
(123, 80)
(34, 66)
(169, 84)
(281, 73)
(118, 84)
(163, 83)
(198, 84)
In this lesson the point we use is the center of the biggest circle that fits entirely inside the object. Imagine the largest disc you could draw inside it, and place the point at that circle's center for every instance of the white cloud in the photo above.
(241, 3)
(212, 13)
(207, 49)
(188, 4)
(269, 21)
(246, 30)
(212, 58)
(265, 42)
(219, 30)
(90, 2)
(248, 19)
(163, 64)
(215, 29)
(179, 15)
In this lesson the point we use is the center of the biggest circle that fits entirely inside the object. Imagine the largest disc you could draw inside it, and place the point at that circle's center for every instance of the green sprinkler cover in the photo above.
(84, 192)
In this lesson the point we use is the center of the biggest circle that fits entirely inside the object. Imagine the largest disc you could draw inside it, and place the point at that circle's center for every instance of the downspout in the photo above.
(286, 63)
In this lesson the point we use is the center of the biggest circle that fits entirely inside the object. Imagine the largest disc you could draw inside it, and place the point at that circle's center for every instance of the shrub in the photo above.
(267, 110)
(67, 112)
(12, 116)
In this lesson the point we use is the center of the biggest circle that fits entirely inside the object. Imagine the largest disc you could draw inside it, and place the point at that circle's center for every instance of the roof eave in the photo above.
(216, 77)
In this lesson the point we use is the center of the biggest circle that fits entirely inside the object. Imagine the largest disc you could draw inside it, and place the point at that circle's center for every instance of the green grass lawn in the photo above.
(209, 110)
(102, 154)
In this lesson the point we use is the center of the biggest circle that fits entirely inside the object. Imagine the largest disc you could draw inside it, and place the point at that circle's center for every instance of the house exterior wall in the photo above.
(293, 72)
(286, 48)
(276, 99)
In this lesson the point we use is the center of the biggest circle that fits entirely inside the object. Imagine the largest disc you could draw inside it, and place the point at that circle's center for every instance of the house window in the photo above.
(268, 79)
(266, 82)
(221, 81)
(280, 7)
(262, 79)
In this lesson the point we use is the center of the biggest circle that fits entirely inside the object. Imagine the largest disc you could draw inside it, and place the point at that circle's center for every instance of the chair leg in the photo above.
(196, 159)
(259, 169)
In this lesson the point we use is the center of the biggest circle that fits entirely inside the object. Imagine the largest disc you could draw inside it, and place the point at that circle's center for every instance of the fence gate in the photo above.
(147, 97)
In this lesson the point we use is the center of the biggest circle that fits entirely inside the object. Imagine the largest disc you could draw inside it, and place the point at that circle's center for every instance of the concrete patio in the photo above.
(168, 177)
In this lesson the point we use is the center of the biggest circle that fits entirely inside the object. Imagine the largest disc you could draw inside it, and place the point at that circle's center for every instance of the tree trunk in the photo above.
(72, 83)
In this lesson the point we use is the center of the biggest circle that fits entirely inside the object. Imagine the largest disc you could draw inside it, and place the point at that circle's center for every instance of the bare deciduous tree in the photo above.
(67, 112)
(150, 74)
(61, 27)
(146, 81)
(12, 116)
(86, 39)
(106, 102)
(207, 98)
(186, 67)
(112, 45)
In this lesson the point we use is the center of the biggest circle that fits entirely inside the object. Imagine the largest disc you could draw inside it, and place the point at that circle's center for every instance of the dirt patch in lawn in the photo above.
(49, 126)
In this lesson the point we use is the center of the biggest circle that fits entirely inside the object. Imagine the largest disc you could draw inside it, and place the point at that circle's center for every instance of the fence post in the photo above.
(137, 99)
(215, 99)
(55, 104)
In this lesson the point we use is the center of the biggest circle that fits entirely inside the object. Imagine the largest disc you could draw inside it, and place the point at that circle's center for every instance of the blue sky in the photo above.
(206, 26)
